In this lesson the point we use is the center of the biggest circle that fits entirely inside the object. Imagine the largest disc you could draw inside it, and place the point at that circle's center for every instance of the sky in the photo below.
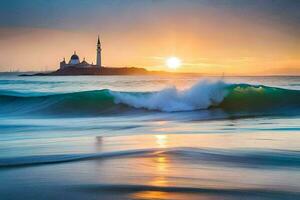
(235, 37)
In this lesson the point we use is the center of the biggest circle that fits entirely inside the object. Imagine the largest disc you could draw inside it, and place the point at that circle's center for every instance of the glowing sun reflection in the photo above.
(161, 163)
(161, 140)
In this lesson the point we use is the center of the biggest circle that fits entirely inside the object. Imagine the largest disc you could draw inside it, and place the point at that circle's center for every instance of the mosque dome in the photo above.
(74, 59)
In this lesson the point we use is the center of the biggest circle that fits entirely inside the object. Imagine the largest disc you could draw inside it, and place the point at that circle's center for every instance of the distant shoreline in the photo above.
(111, 71)
(96, 71)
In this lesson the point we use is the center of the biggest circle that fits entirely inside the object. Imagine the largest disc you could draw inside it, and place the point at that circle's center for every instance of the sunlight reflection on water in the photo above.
(161, 140)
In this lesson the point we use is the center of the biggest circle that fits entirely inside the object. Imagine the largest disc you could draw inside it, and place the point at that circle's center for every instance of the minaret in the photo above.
(98, 62)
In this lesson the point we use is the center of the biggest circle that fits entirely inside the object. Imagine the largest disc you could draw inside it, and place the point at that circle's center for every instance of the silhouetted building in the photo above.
(98, 62)
(75, 61)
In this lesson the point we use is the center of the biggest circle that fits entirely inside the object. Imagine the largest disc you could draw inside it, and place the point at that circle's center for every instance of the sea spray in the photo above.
(205, 94)
(202, 95)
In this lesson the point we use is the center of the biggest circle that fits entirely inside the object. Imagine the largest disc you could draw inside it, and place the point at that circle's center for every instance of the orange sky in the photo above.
(214, 42)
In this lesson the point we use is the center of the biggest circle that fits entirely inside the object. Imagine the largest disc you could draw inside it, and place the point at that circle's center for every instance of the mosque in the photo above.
(76, 67)
(75, 61)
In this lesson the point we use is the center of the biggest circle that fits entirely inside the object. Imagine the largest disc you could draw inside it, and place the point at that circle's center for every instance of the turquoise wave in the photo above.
(230, 98)
(252, 98)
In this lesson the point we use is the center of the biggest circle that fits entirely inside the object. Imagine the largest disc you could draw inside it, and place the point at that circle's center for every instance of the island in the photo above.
(75, 71)
(75, 67)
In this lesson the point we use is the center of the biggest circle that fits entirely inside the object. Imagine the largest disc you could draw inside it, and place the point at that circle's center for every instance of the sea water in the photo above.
(149, 137)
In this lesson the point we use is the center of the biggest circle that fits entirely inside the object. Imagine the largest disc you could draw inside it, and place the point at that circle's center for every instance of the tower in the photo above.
(98, 61)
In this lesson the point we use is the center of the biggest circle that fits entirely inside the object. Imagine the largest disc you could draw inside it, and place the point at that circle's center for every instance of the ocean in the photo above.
(149, 137)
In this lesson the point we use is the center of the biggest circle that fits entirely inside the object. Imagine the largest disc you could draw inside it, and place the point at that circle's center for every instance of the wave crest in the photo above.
(230, 98)
(202, 95)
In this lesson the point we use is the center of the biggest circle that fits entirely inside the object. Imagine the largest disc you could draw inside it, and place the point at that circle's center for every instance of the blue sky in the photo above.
(67, 14)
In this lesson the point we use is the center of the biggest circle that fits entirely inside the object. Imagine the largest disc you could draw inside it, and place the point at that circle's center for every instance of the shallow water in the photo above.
(128, 137)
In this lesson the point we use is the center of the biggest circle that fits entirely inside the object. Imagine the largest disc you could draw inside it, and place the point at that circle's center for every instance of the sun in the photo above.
(173, 62)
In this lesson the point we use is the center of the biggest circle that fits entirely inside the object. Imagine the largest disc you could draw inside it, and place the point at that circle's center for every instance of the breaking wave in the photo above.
(202, 95)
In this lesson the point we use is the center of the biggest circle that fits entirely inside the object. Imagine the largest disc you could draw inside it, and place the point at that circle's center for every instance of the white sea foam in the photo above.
(202, 95)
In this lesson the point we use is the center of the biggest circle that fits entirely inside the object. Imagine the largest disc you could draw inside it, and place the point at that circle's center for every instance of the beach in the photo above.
(149, 137)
